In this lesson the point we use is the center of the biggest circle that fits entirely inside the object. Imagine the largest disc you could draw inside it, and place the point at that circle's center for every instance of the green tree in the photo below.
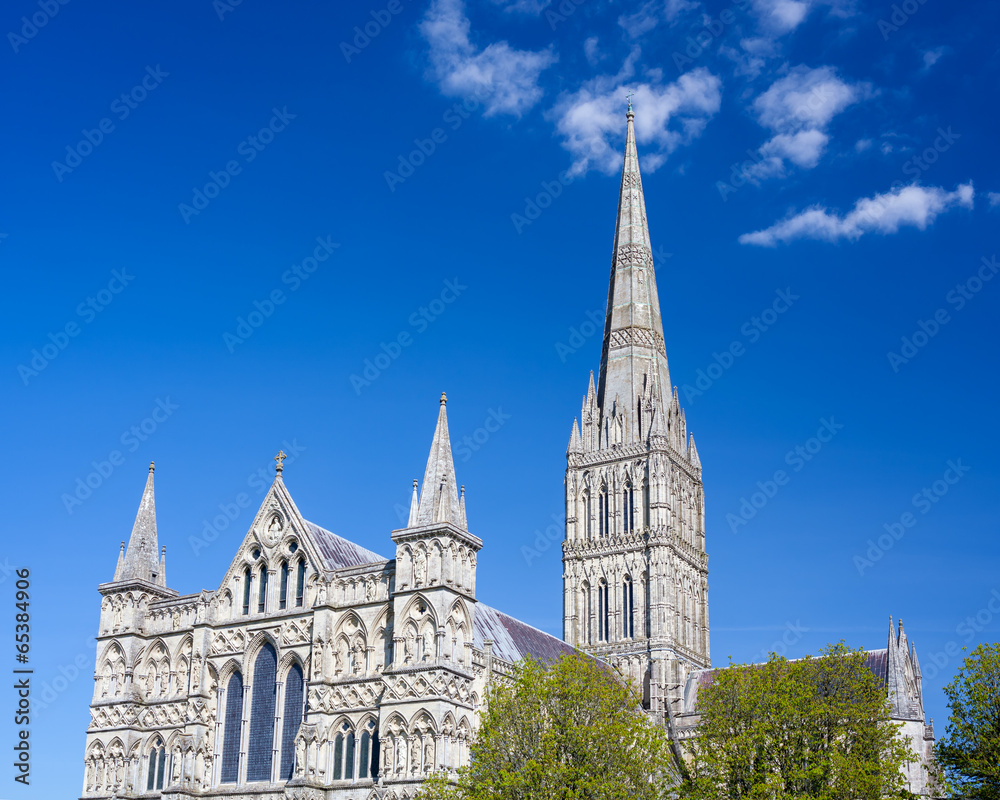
(569, 731)
(816, 727)
(970, 749)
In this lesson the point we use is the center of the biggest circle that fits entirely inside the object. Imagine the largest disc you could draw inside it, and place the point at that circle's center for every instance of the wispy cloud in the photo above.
(503, 78)
(994, 198)
(651, 14)
(914, 206)
(667, 116)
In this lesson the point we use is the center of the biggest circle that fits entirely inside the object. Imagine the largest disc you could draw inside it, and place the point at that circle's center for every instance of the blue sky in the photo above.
(171, 171)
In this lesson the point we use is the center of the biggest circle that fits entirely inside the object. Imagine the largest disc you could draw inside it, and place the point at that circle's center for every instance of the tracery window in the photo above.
(247, 579)
(262, 591)
(628, 609)
(291, 720)
(157, 765)
(231, 730)
(283, 593)
(300, 584)
(260, 750)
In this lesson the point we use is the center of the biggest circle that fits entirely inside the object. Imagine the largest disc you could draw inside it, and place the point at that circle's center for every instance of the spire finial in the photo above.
(629, 98)
(152, 466)
(444, 399)
(280, 459)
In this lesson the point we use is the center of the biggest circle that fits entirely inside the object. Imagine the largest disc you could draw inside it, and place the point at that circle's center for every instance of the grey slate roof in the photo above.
(337, 552)
(513, 639)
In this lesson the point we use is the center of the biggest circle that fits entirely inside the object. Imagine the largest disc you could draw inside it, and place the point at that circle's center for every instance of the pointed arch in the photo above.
(260, 750)
(232, 727)
(291, 718)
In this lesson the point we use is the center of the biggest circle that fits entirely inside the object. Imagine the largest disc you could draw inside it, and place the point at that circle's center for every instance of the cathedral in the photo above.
(320, 670)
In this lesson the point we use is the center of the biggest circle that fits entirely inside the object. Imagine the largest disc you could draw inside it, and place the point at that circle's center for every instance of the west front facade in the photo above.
(317, 668)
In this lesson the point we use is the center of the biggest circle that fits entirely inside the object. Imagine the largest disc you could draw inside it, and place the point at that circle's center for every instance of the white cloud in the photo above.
(781, 16)
(862, 144)
(806, 98)
(591, 120)
(913, 205)
(798, 108)
(503, 78)
(931, 57)
(994, 198)
(802, 148)
(591, 50)
(651, 14)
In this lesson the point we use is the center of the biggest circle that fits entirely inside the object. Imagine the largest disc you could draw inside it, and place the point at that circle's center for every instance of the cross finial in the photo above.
(279, 458)
(628, 97)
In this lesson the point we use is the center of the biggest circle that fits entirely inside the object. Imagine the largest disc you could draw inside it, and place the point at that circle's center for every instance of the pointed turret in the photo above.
(575, 442)
(633, 355)
(693, 454)
(161, 579)
(141, 561)
(121, 563)
(461, 507)
(414, 504)
(439, 494)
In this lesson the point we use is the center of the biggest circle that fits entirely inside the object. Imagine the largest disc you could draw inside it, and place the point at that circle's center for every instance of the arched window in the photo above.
(292, 718)
(628, 505)
(602, 515)
(157, 764)
(363, 756)
(261, 745)
(338, 756)
(247, 578)
(283, 595)
(602, 612)
(628, 608)
(231, 730)
(590, 614)
(588, 511)
(300, 584)
(262, 592)
(645, 504)
(349, 757)
(375, 755)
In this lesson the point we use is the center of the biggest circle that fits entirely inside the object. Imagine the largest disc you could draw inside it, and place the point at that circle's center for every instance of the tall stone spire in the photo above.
(439, 501)
(633, 357)
(142, 558)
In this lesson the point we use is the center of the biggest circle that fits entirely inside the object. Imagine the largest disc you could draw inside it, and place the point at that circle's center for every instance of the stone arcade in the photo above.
(319, 669)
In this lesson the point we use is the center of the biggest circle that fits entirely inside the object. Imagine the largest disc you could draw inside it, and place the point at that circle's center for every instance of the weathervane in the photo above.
(280, 459)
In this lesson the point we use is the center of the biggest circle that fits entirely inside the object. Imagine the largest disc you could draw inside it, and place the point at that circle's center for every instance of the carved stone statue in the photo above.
(419, 568)
(342, 655)
(414, 754)
(369, 591)
(118, 615)
(428, 755)
(390, 764)
(300, 756)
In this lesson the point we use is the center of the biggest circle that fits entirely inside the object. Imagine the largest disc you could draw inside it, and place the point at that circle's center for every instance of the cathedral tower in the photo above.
(635, 570)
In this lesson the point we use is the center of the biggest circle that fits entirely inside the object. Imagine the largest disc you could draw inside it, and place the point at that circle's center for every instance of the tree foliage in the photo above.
(816, 727)
(970, 749)
(569, 731)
